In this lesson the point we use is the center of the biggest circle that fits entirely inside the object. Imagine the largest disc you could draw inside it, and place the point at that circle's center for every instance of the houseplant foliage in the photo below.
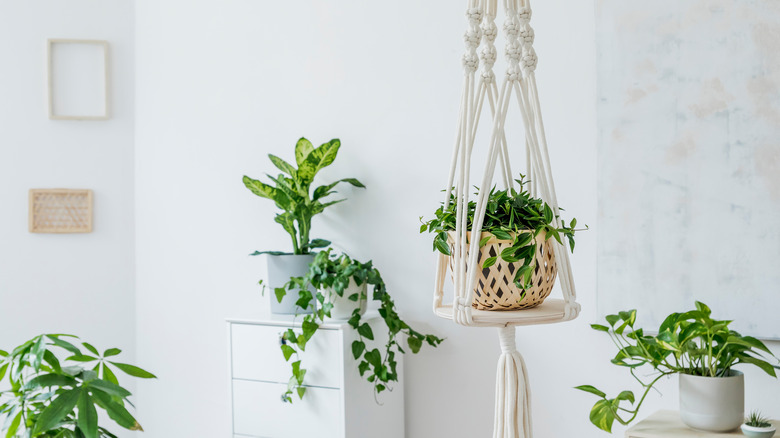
(53, 397)
(691, 343)
(292, 192)
(377, 364)
(510, 215)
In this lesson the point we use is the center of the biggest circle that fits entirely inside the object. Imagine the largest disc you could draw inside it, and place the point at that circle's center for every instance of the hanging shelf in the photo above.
(482, 93)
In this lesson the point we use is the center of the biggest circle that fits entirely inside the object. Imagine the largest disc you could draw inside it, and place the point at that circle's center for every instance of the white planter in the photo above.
(714, 404)
(280, 269)
(342, 305)
(758, 432)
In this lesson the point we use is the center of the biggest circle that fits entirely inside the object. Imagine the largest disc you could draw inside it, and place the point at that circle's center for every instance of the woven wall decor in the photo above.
(60, 211)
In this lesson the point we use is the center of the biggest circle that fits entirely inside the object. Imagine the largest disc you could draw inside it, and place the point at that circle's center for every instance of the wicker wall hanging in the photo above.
(60, 211)
(475, 303)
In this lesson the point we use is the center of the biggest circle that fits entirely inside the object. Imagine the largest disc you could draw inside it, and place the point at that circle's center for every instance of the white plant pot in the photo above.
(758, 432)
(714, 404)
(280, 269)
(342, 305)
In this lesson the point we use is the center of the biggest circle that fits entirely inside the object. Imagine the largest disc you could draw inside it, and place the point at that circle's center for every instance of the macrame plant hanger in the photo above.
(512, 407)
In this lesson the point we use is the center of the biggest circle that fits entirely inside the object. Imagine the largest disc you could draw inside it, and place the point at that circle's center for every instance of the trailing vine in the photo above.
(330, 271)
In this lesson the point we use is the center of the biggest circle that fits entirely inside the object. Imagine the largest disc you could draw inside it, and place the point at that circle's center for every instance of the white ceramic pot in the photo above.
(714, 404)
(758, 432)
(342, 305)
(280, 269)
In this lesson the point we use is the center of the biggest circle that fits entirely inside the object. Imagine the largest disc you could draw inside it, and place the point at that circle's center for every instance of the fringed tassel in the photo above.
(513, 395)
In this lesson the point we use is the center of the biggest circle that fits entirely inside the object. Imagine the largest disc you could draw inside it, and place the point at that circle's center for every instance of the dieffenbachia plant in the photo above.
(378, 366)
(292, 192)
(58, 398)
(510, 215)
(687, 343)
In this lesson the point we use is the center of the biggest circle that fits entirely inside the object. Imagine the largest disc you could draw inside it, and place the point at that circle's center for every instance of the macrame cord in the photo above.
(512, 415)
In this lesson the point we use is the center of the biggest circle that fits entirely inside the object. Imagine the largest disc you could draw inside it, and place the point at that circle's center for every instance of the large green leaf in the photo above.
(260, 189)
(109, 388)
(318, 159)
(323, 191)
(115, 411)
(87, 419)
(302, 150)
(592, 390)
(47, 380)
(283, 166)
(64, 344)
(14, 426)
(57, 410)
(133, 370)
(602, 415)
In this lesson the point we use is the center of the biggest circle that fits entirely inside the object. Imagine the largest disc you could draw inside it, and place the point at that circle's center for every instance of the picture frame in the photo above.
(78, 79)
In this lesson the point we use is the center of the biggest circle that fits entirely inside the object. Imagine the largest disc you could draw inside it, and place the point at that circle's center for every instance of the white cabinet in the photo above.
(338, 403)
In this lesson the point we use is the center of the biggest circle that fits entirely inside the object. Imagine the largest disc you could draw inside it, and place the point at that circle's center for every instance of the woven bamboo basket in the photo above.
(496, 290)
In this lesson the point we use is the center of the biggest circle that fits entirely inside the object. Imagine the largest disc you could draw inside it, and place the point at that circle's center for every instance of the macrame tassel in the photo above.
(513, 395)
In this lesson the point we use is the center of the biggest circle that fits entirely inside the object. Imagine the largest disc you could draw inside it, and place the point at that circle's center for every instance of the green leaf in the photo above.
(56, 411)
(501, 235)
(484, 241)
(626, 395)
(82, 358)
(490, 261)
(319, 243)
(602, 416)
(301, 391)
(14, 426)
(87, 419)
(37, 353)
(764, 365)
(601, 328)
(366, 332)
(283, 166)
(111, 352)
(48, 380)
(287, 351)
(414, 344)
(90, 348)
(548, 214)
(612, 320)
(260, 189)
(109, 375)
(134, 370)
(109, 388)
(115, 411)
(302, 150)
(592, 390)
(357, 349)
(318, 159)
(440, 245)
(280, 292)
(363, 367)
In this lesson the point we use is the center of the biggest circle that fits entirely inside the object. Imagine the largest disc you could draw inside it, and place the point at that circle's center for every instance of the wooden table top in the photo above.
(667, 424)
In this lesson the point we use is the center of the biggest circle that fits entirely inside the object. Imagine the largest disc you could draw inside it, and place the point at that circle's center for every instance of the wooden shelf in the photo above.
(550, 312)
(667, 424)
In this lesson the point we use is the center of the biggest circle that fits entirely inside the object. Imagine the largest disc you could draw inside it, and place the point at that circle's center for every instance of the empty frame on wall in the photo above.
(78, 79)
(60, 211)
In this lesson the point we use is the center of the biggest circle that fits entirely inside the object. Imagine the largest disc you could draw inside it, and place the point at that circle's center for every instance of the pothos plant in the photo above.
(292, 192)
(510, 215)
(377, 364)
(687, 343)
(57, 398)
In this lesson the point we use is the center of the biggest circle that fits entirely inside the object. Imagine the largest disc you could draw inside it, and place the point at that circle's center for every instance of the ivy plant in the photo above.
(510, 215)
(688, 343)
(292, 192)
(377, 364)
(58, 398)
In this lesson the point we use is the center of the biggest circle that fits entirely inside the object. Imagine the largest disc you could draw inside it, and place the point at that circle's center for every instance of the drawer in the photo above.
(259, 412)
(256, 356)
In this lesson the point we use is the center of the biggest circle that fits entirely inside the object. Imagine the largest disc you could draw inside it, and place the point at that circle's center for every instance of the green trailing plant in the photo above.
(688, 343)
(755, 419)
(292, 192)
(58, 398)
(510, 215)
(377, 364)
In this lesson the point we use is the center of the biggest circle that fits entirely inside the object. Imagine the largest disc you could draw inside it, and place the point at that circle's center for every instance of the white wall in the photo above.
(221, 84)
(79, 283)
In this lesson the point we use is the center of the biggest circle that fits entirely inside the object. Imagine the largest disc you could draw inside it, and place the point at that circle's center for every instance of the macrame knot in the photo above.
(511, 28)
(488, 76)
(529, 60)
(506, 338)
(474, 15)
(524, 15)
(490, 31)
(470, 62)
(472, 37)
(514, 74)
(513, 50)
(527, 35)
(489, 56)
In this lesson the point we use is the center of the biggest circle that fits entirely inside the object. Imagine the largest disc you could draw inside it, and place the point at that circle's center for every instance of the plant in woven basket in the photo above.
(691, 343)
(335, 273)
(53, 397)
(515, 218)
(292, 192)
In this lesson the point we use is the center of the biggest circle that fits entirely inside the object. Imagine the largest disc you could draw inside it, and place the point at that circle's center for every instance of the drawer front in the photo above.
(259, 412)
(256, 356)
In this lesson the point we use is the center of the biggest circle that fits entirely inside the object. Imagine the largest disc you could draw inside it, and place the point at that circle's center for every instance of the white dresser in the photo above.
(338, 403)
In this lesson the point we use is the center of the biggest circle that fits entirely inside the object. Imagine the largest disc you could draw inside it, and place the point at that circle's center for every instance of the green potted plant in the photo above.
(703, 351)
(757, 426)
(51, 396)
(293, 193)
(340, 282)
(514, 240)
